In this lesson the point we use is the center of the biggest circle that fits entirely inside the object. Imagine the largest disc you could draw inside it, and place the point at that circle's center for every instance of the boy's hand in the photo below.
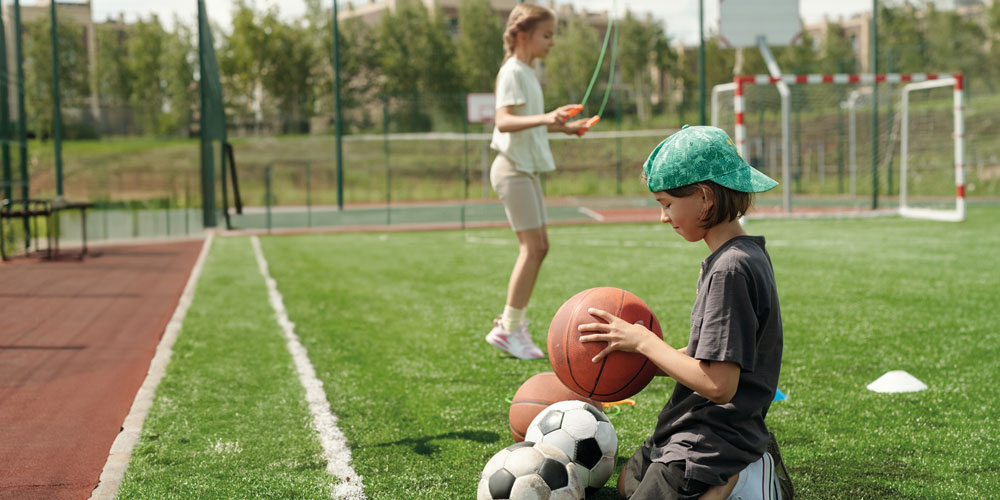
(618, 333)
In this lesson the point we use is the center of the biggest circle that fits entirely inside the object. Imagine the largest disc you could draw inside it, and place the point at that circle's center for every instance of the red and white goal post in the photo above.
(825, 151)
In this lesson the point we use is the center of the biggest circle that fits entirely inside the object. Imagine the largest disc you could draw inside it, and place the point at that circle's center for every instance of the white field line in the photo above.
(592, 214)
(121, 450)
(335, 450)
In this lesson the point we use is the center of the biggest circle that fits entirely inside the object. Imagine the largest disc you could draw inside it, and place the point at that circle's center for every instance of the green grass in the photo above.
(230, 420)
(394, 325)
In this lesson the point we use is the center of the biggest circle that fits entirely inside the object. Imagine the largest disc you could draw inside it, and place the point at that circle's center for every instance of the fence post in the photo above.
(388, 170)
(267, 196)
(309, 193)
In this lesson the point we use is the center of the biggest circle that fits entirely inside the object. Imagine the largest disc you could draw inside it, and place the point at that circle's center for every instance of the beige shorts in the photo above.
(521, 194)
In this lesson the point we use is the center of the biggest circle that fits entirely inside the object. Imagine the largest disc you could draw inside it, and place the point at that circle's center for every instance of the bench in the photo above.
(29, 210)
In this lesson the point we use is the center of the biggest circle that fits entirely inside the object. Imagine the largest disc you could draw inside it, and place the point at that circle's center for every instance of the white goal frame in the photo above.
(958, 213)
(914, 82)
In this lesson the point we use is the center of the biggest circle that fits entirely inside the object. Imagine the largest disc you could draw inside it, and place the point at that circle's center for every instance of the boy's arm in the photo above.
(715, 380)
(661, 373)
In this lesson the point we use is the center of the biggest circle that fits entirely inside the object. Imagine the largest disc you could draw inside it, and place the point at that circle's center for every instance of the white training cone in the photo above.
(897, 381)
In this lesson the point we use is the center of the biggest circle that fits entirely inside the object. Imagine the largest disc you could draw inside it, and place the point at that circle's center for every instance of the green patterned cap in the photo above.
(696, 154)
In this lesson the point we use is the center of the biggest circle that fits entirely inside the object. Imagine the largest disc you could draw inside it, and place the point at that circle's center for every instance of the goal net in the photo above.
(838, 155)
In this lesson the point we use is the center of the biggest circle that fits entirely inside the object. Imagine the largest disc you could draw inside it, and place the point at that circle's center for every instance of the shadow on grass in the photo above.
(425, 446)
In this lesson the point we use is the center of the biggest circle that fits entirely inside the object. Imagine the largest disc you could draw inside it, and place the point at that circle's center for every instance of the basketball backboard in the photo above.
(742, 21)
(480, 107)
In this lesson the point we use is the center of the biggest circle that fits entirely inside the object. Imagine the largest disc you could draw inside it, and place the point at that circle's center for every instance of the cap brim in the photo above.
(748, 180)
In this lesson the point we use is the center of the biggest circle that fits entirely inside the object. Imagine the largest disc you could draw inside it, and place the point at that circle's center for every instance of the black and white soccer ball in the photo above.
(584, 433)
(530, 471)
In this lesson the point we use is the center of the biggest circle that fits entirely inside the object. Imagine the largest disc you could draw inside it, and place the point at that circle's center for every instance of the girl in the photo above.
(520, 139)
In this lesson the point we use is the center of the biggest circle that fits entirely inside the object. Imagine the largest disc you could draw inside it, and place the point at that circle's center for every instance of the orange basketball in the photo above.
(620, 374)
(536, 394)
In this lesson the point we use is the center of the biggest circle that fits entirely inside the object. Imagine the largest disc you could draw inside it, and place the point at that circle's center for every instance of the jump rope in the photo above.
(597, 70)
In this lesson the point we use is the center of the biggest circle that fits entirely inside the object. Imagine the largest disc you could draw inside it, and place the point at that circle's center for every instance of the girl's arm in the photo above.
(507, 121)
(715, 380)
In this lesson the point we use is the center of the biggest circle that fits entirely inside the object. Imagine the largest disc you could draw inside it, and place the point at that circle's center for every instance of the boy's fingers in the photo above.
(600, 313)
(594, 327)
(607, 350)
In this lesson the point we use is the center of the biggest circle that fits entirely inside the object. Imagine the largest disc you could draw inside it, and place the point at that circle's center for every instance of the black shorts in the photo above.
(644, 479)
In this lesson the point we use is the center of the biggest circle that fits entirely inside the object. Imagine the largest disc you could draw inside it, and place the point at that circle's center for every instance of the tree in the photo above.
(570, 65)
(836, 54)
(114, 76)
(180, 62)
(74, 86)
(147, 48)
(242, 64)
(288, 60)
(642, 45)
(415, 55)
(479, 45)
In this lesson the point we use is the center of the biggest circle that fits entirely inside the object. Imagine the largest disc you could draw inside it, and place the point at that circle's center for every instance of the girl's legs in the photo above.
(521, 194)
(533, 245)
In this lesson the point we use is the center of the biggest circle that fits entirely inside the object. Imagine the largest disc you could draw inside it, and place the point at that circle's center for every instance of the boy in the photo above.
(712, 427)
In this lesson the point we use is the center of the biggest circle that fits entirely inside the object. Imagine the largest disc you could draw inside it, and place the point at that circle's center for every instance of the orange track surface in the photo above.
(76, 340)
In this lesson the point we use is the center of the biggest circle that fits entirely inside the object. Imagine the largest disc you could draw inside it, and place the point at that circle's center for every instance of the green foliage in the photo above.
(478, 45)
(114, 75)
(416, 57)
(570, 65)
(147, 49)
(642, 45)
(74, 86)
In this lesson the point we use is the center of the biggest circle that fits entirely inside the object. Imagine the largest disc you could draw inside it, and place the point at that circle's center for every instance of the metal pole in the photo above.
(207, 174)
(388, 169)
(701, 62)
(889, 111)
(874, 56)
(339, 122)
(5, 116)
(56, 107)
(267, 195)
(22, 127)
(309, 215)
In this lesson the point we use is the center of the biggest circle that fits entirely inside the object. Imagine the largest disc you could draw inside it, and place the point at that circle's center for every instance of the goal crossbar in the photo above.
(912, 81)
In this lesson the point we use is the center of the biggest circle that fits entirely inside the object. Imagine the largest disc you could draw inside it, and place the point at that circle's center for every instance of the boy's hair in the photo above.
(523, 19)
(729, 203)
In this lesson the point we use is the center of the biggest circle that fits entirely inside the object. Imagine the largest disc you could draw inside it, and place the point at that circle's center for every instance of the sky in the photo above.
(680, 16)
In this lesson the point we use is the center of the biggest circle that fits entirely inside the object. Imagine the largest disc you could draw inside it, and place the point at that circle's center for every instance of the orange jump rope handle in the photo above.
(590, 123)
(576, 109)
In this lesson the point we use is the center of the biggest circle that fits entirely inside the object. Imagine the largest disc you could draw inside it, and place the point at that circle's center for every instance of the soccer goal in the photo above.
(837, 155)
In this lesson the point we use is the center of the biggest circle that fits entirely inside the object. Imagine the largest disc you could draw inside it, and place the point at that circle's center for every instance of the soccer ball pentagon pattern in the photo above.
(530, 471)
(584, 433)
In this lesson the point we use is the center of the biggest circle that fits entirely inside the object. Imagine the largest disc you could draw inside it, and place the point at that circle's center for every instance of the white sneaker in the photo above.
(517, 343)
(757, 481)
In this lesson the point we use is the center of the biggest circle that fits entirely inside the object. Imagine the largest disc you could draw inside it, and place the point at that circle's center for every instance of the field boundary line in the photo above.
(335, 450)
(121, 449)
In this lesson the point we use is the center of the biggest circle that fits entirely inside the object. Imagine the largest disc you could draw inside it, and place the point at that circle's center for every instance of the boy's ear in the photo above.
(707, 195)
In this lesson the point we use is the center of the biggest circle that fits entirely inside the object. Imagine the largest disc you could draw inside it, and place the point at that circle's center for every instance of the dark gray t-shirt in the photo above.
(735, 318)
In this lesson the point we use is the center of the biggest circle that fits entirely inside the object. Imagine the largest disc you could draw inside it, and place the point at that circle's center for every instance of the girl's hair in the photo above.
(729, 203)
(523, 19)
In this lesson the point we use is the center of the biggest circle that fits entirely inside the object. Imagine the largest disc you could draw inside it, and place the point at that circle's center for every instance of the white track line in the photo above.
(335, 450)
(591, 213)
(121, 449)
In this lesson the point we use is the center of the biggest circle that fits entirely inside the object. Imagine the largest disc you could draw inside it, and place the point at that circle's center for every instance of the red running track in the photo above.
(76, 340)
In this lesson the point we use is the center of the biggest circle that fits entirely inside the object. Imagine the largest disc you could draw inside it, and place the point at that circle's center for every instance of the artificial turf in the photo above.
(394, 325)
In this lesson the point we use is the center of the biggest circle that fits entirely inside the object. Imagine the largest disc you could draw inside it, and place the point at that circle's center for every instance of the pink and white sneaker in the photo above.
(517, 343)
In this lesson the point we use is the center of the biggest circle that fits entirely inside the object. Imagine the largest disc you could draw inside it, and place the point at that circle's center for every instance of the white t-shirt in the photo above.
(528, 149)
